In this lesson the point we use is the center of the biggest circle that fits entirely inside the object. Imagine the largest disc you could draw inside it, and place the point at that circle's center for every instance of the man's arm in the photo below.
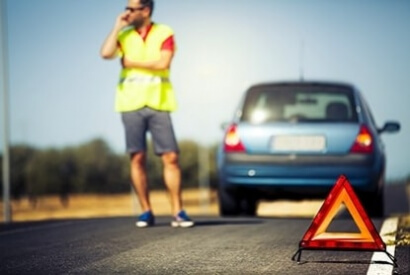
(110, 46)
(163, 63)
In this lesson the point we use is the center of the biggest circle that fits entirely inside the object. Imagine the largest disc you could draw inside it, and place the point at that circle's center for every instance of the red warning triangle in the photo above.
(316, 236)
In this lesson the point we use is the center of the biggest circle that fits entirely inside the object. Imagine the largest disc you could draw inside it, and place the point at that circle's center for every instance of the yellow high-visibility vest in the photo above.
(138, 88)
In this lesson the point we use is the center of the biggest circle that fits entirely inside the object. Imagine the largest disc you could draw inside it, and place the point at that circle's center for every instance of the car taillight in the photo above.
(363, 142)
(232, 141)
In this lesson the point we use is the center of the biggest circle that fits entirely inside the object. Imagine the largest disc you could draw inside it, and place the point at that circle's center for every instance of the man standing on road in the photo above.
(145, 99)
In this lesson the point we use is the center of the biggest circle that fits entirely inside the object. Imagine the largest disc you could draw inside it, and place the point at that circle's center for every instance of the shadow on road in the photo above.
(208, 221)
(227, 222)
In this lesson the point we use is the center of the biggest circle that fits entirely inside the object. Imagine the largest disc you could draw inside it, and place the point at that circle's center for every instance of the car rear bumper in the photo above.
(299, 174)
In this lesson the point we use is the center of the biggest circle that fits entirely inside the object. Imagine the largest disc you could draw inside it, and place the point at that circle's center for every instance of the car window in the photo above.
(368, 111)
(299, 103)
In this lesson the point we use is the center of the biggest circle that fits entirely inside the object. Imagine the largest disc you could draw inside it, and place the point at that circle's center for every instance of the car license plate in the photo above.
(298, 143)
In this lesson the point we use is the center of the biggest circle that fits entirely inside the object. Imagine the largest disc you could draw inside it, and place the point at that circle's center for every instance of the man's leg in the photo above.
(139, 180)
(166, 146)
(172, 178)
(135, 124)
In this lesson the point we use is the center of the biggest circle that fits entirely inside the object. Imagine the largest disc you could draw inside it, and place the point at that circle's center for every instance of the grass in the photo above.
(196, 202)
(403, 234)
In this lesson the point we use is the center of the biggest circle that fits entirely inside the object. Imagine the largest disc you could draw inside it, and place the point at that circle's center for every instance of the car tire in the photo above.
(249, 206)
(229, 202)
(373, 203)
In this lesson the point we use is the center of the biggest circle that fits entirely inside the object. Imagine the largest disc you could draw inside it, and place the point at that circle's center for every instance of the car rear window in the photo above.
(299, 103)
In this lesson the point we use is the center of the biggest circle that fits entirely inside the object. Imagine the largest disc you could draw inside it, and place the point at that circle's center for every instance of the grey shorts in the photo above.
(159, 124)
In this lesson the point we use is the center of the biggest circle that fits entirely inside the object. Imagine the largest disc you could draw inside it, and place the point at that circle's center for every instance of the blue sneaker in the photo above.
(145, 219)
(182, 220)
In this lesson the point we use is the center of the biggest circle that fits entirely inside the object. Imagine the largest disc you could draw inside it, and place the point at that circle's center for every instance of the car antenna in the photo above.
(301, 60)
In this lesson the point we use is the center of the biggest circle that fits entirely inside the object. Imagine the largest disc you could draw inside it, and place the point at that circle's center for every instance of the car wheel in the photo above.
(373, 204)
(229, 202)
(249, 206)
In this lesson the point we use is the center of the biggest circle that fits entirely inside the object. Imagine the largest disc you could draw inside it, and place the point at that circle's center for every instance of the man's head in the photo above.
(140, 12)
(149, 4)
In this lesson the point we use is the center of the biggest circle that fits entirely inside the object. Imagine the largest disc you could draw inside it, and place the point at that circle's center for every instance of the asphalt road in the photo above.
(214, 246)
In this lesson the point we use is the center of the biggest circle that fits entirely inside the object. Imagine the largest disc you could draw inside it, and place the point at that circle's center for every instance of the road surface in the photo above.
(214, 246)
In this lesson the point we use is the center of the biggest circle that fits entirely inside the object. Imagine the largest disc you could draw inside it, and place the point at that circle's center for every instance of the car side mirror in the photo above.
(390, 127)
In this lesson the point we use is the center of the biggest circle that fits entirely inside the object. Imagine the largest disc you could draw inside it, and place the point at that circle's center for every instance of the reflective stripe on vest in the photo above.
(138, 88)
(144, 79)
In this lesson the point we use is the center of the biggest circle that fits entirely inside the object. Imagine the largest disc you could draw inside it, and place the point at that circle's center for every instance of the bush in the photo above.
(93, 167)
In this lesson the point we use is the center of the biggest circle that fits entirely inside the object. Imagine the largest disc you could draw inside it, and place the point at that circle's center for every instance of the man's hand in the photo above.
(110, 46)
(163, 63)
(122, 20)
(126, 63)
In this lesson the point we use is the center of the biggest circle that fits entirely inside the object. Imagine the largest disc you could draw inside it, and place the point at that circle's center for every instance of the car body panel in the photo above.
(259, 139)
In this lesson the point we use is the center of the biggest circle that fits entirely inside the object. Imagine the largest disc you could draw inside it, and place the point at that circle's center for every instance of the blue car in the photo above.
(294, 139)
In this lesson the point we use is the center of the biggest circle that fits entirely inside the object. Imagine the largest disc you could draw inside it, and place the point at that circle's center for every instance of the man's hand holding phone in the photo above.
(122, 20)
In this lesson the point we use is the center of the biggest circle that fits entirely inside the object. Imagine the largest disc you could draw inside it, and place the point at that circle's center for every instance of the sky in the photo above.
(61, 93)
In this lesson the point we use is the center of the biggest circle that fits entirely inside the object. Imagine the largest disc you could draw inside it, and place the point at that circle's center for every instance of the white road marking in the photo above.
(389, 226)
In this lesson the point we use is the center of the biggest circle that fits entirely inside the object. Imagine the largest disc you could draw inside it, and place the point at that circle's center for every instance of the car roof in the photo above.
(303, 84)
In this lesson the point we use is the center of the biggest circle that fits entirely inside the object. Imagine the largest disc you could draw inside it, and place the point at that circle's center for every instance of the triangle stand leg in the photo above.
(296, 257)
(392, 258)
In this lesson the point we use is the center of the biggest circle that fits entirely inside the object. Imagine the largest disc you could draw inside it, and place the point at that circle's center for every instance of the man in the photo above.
(145, 99)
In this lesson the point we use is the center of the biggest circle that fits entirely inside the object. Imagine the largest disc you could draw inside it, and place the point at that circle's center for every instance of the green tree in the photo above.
(189, 163)
(68, 168)
(43, 174)
(99, 170)
(93, 167)
(20, 156)
(1, 175)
